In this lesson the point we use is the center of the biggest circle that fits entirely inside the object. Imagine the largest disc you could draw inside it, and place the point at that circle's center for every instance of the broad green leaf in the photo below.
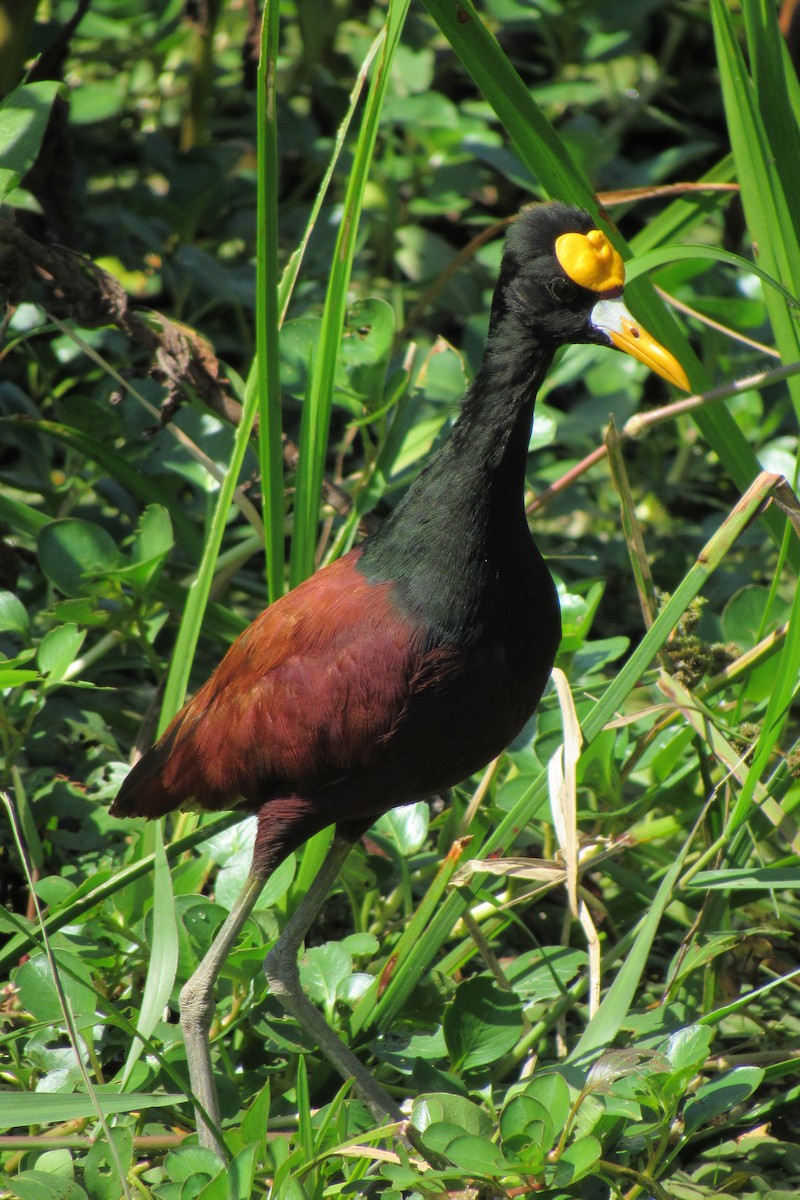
(24, 114)
(152, 543)
(232, 850)
(687, 1049)
(466, 1151)
(366, 345)
(10, 677)
(434, 1107)
(217, 1188)
(38, 994)
(720, 1096)
(526, 1125)
(101, 1167)
(58, 650)
(406, 826)
(551, 1091)
(750, 614)
(56, 1162)
(577, 1161)
(13, 614)
(481, 1024)
(322, 969)
(361, 943)
(543, 974)
(97, 100)
(40, 1185)
(196, 1169)
(76, 555)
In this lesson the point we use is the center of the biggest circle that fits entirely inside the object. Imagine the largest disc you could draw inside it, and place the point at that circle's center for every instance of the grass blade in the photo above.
(200, 588)
(766, 180)
(270, 425)
(163, 963)
(317, 408)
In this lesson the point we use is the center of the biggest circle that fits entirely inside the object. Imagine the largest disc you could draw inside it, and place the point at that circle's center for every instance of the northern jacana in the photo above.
(411, 662)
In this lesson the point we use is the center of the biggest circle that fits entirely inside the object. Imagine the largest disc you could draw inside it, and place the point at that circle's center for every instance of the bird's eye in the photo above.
(563, 290)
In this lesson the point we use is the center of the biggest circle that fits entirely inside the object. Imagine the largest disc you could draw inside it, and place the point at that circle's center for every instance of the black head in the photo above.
(561, 282)
(535, 289)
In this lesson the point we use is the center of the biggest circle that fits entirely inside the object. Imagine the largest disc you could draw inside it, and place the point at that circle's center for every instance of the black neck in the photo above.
(461, 526)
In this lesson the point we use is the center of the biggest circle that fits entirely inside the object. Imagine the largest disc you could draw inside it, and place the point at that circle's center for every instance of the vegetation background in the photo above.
(212, 228)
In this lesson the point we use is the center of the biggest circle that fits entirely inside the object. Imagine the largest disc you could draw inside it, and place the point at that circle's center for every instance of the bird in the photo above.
(400, 669)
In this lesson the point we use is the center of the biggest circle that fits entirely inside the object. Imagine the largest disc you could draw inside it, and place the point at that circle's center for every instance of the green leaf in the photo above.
(665, 254)
(433, 1107)
(577, 1161)
(687, 1049)
(527, 1129)
(152, 543)
(407, 826)
(199, 1171)
(13, 614)
(542, 974)
(97, 100)
(750, 614)
(24, 114)
(322, 969)
(361, 943)
(366, 345)
(38, 994)
(466, 1151)
(18, 1109)
(58, 650)
(720, 1096)
(254, 1121)
(551, 1091)
(75, 553)
(758, 878)
(11, 677)
(40, 1185)
(232, 850)
(101, 1168)
(163, 959)
(482, 1023)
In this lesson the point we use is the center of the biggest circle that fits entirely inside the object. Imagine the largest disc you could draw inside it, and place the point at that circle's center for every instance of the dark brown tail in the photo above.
(144, 794)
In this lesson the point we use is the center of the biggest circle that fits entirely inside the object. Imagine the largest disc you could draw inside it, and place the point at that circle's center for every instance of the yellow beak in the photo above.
(627, 334)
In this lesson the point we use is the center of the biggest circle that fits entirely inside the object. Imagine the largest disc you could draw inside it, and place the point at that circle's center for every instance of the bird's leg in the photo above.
(283, 976)
(197, 1011)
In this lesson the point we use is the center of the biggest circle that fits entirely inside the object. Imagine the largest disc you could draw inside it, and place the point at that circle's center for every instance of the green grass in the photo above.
(309, 236)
